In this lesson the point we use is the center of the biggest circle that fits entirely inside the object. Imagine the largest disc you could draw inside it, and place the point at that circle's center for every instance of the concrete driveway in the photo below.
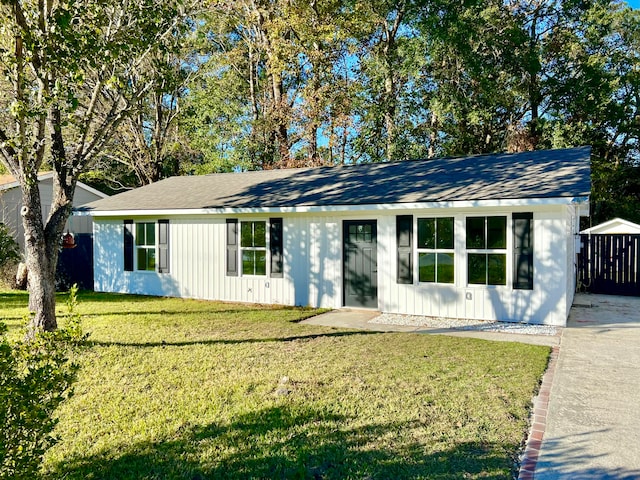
(593, 420)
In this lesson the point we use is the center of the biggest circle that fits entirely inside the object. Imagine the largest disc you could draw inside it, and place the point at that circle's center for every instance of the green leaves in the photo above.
(36, 375)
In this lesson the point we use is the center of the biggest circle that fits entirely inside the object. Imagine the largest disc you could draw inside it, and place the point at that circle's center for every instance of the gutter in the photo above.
(460, 204)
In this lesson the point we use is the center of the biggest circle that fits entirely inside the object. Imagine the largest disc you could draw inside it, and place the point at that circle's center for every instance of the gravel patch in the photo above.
(462, 324)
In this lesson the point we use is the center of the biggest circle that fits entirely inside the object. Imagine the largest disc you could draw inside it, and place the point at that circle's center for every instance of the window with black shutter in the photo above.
(146, 246)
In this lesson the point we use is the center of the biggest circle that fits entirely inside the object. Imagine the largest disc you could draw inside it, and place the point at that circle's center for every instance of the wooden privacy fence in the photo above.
(609, 264)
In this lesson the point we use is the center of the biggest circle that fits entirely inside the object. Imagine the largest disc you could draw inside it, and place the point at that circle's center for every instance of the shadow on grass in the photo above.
(292, 441)
(216, 305)
(201, 312)
(311, 336)
(14, 299)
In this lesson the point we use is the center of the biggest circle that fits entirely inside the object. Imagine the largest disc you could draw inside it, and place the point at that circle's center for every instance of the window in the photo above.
(486, 250)
(248, 246)
(146, 246)
(435, 250)
(253, 242)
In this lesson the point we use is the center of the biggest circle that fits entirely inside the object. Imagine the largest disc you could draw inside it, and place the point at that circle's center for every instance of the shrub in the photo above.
(36, 375)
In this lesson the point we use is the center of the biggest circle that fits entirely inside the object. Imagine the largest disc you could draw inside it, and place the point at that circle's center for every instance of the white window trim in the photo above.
(267, 270)
(136, 246)
(505, 251)
(419, 250)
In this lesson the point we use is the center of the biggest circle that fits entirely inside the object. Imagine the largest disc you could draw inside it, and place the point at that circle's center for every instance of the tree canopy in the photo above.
(126, 93)
(73, 71)
(282, 83)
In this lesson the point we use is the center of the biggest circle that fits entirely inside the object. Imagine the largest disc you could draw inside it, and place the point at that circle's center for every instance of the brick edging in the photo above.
(539, 421)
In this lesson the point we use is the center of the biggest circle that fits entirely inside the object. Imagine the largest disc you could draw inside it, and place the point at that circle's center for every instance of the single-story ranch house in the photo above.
(483, 237)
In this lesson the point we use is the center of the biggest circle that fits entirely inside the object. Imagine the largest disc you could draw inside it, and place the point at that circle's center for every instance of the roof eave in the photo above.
(459, 204)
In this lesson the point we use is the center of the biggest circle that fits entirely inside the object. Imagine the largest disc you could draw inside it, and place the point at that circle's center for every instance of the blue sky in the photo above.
(634, 3)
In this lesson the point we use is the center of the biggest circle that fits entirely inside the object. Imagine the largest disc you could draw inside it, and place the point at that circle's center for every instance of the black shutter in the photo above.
(163, 246)
(128, 245)
(523, 251)
(404, 236)
(232, 247)
(275, 246)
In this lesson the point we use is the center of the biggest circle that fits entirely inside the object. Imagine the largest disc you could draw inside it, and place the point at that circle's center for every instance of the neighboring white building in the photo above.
(11, 203)
(615, 226)
(484, 237)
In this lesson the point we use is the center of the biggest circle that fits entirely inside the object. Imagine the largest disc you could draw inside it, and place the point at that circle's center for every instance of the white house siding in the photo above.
(544, 304)
(313, 265)
(572, 239)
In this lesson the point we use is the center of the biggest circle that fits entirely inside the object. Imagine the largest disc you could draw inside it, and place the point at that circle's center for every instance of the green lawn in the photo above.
(188, 389)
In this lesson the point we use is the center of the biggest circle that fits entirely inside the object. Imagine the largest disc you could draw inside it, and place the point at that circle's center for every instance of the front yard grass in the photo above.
(187, 389)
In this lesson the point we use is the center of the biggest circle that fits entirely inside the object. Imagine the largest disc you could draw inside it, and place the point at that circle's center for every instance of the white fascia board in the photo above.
(530, 202)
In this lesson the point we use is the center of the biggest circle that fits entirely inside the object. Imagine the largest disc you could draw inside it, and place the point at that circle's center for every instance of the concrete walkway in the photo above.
(593, 420)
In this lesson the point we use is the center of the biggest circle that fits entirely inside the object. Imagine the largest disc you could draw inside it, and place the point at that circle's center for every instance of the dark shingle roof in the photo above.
(539, 174)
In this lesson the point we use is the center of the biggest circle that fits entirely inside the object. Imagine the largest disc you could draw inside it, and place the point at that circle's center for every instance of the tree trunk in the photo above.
(40, 260)
(42, 244)
(390, 57)
(279, 118)
(534, 86)
(390, 112)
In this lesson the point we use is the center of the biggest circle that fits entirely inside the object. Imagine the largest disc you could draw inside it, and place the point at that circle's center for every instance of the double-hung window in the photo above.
(486, 242)
(436, 250)
(146, 246)
(253, 249)
(253, 242)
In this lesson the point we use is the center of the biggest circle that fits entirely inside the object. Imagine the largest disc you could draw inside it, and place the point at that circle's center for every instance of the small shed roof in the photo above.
(617, 225)
(529, 175)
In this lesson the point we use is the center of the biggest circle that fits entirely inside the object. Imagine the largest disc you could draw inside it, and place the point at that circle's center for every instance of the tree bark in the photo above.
(534, 86)
(279, 117)
(40, 260)
(390, 57)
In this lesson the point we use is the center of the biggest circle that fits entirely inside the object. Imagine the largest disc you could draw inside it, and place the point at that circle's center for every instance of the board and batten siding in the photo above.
(546, 303)
(312, 246)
